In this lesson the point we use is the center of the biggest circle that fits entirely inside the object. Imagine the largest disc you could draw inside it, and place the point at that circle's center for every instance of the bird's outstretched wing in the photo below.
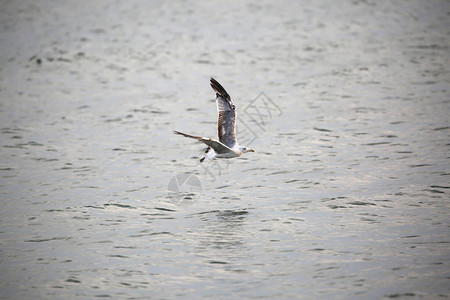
(218, 147)
(226, 123)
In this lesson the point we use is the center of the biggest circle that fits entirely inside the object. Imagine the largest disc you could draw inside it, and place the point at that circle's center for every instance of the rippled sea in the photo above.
(346, 103)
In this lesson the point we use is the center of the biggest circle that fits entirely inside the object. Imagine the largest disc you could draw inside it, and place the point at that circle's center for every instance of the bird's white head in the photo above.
(244, 149)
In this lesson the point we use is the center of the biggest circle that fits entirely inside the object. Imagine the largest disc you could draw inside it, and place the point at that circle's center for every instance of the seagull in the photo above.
(227, 145)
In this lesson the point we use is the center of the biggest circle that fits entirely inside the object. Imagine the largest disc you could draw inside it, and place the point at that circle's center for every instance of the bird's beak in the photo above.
(251, 150)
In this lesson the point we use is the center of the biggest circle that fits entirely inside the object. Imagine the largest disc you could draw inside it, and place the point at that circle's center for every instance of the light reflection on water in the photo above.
(346, 194)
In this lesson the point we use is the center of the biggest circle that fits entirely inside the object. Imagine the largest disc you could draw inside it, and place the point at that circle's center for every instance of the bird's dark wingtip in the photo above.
(218, 88)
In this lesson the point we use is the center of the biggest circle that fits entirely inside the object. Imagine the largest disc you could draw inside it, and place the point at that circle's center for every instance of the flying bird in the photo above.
(227, 145)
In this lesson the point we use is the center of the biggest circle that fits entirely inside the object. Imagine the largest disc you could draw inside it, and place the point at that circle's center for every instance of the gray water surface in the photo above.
(346, 103)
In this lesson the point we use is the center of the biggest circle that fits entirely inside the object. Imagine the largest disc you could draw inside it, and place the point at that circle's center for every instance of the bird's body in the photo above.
(227, 145)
